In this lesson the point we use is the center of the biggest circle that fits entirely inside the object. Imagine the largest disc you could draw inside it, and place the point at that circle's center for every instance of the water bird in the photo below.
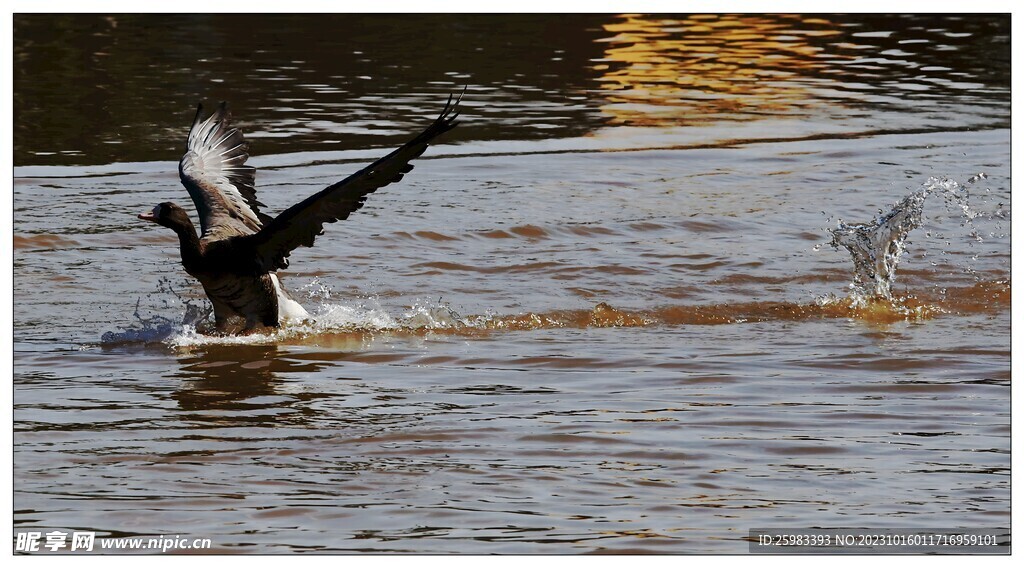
(240, 248)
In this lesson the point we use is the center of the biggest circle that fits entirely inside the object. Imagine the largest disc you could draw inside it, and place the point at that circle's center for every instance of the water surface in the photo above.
(601, 315)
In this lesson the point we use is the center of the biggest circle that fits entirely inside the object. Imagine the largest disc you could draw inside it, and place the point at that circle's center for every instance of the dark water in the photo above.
(601, 316)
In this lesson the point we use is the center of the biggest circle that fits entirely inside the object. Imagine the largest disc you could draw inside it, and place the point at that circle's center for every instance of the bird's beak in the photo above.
(148, 216)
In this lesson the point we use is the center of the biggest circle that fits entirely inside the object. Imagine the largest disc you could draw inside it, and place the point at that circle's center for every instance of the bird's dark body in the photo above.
(242, 294)
(240, 248)
(249, 298)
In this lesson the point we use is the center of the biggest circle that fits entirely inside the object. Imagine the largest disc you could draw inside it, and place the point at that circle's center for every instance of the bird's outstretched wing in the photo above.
(213, 171)
(300, 224)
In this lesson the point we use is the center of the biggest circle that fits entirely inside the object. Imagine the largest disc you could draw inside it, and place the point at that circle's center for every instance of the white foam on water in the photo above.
(326, 316)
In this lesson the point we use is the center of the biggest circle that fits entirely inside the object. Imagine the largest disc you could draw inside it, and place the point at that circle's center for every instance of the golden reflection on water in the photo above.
(665, 72)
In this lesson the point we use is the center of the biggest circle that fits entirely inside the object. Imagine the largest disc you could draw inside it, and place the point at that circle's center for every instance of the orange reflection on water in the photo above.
(665, 72)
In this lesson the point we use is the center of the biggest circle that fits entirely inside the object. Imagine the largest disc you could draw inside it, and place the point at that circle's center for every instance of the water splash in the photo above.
(156, 328)
(351, 326)
(194, 327)
(878, 245)
(317, 290)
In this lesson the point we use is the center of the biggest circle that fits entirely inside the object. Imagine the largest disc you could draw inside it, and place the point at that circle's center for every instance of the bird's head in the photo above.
(169, 215)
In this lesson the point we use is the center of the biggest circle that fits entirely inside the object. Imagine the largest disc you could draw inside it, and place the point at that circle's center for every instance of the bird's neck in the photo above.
(191, 250)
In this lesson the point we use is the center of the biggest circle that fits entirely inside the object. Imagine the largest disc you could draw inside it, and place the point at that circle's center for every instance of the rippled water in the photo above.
(602, 315)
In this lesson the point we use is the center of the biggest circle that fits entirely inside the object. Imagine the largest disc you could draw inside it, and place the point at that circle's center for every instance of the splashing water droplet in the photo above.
(317, 290)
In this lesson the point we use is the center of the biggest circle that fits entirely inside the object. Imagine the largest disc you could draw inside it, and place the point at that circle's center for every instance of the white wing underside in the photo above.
(221, 185)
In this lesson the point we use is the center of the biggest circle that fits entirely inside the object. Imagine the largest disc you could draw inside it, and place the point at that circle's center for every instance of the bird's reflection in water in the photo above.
(252, 385)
